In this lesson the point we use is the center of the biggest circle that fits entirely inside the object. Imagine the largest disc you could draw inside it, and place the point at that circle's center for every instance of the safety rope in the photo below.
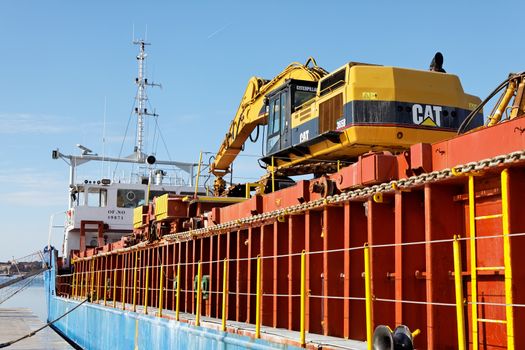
(85, 274)
(9, 343)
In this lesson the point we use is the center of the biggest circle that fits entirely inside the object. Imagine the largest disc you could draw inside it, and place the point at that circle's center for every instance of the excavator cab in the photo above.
(361, 108)
(282, 102)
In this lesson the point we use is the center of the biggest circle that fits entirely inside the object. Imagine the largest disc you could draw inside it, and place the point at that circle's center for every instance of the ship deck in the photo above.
(278, 335)
(17, 322)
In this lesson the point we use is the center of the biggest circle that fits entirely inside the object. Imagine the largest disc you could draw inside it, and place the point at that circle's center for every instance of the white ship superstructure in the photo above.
(101, 211)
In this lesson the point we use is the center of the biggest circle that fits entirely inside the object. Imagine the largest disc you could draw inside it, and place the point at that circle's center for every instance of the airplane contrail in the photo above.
(218, 31)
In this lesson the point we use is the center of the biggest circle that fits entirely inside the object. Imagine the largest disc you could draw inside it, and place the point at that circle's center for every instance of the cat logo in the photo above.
(426, 115)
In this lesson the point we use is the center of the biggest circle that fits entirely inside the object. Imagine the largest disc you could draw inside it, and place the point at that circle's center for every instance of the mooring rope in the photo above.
(9, 343)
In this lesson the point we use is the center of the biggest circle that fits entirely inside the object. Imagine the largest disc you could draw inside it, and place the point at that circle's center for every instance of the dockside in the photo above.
(17, 322)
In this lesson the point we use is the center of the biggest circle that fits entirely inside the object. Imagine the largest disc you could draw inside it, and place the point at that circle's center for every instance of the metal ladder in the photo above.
(507, 268)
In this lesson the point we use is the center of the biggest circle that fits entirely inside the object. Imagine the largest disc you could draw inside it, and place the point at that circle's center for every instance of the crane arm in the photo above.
(252, 111)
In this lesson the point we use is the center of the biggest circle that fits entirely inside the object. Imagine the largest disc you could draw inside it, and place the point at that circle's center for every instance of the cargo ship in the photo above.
(406, 235)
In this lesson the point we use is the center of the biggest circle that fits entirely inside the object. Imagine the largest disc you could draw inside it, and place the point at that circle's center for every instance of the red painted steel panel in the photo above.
(267, 274)
(489, 253)
(410, 261)
(210, 303)
(377, 168)
(370, 169)
(381, 231)
(221, 255)
(205, 250)
(333, 271)
(314, 273)
(485, 143)
(186, 271)
(517, 257)
(421, 157)
(443, 219)
(254, 241)
(287, 197)
(296, 245)
(247, 208)
(232, 273)
(355, 224)
(280, 284)
(241, 273)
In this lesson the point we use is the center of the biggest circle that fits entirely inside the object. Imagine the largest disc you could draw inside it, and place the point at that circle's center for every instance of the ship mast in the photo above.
(138, 156)
(141, 110)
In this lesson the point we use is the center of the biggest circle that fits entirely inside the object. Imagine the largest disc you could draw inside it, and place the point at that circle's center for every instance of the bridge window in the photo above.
(129, 198)
(97, 197)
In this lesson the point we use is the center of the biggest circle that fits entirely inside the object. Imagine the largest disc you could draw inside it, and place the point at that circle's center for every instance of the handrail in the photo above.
(84, 276)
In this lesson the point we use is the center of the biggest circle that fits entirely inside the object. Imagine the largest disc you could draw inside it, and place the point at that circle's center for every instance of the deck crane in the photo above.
(314, 118)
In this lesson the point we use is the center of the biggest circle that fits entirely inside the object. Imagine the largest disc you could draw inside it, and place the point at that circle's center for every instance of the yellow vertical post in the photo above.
(368, 297)
(460, 312)
(98, 280)
(88, 278)
(86, 283)
(79, 274)
(273, 175)
(105, 280)
(92, 286)
(124, 284)
(509, 300)
(146, 292)
(199, 291)
(198, 175)
(81, 279)
(177, 302)
(258, 300)
(338, 165)
(473, 264)
(161, 290)
(114, 294)
(75, 287)
(224, 293)
(135, 281)
(148, 190)
(303, 298)
(73, 283)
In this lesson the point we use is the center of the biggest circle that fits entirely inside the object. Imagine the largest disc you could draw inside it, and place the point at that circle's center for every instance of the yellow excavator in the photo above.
(312, 118)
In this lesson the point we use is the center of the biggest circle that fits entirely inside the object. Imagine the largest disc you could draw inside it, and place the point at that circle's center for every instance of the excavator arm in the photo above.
(252, 112)
(514, 87)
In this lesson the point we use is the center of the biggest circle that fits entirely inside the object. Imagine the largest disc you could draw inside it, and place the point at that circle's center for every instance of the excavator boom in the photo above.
(252, 111)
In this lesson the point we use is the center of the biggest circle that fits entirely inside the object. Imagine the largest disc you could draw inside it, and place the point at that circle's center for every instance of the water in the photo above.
(33, 297)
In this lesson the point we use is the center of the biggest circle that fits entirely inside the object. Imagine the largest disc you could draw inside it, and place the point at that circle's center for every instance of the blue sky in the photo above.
(61, 60)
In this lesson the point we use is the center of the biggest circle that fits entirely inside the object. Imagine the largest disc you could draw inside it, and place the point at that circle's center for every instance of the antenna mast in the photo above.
(141, 110)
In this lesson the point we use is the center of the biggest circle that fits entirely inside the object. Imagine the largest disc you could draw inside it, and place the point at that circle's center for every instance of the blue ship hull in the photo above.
(93, 326)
